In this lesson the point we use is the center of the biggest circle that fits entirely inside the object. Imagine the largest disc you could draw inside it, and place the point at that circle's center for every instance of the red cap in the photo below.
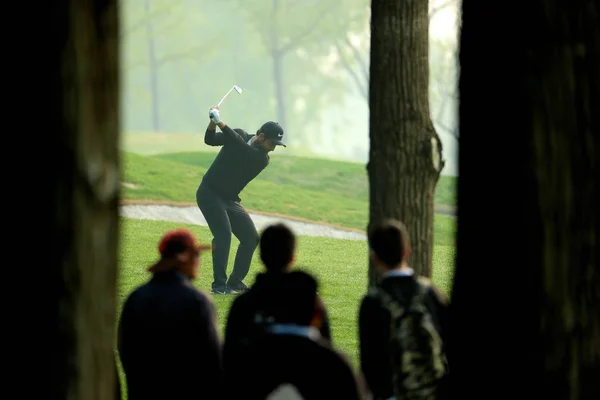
(173, 243)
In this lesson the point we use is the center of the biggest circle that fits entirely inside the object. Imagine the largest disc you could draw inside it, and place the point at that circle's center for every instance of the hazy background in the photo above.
(303, 63)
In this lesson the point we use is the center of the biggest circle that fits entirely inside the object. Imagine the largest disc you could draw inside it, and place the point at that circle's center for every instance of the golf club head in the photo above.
(236, 88)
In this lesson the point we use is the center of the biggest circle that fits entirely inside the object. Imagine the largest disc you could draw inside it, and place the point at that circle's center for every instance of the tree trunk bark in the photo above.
(405, 157)
(82, 196)
(528, 230)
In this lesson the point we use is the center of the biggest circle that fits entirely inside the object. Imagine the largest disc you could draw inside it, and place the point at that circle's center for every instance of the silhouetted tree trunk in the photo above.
(81, 197)
(405, 156)
(526, 296)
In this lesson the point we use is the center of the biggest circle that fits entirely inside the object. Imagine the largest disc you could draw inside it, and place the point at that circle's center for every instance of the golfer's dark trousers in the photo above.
(225, 217)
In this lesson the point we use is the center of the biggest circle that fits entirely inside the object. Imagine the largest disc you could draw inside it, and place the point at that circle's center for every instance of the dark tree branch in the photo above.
(271, 34)
(189, 54)
(441, 109)
(446, 96)
(149, 18)
(358, 58)
(435, 10)
(299, 38)
(361, 84)
(364, 90)
(291, 6)
(452, 131)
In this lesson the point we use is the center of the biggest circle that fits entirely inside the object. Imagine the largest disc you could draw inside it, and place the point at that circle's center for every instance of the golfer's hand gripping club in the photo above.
(214, 115)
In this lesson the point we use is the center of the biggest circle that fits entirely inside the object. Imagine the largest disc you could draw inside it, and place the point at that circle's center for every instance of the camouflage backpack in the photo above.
(415, 345)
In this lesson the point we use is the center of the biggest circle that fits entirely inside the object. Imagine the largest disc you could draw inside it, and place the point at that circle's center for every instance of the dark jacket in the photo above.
(168, 341)
(236, 164)
(242, 311)
(310, 365)
(288, 350)
(374, 330)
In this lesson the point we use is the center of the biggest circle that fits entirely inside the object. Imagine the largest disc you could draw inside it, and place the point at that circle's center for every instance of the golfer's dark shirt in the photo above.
(168, 342)
(236, 164)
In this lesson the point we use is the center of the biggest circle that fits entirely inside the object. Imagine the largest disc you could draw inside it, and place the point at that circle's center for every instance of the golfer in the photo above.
(241, 159)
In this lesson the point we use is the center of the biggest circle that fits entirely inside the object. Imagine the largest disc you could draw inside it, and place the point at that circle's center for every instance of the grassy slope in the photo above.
(340, 178)
(340, 266)
(328, 200)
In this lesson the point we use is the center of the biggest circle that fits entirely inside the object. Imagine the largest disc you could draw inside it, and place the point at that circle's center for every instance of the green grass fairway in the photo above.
(340, 266)
(317, 190)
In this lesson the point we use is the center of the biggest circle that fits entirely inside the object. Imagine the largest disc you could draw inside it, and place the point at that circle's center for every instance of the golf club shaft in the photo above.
(224, 97)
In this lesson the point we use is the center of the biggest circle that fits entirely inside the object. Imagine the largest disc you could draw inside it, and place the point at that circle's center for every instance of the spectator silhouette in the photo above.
(278, 252)
(382, 314)
(289, 357)
(168, 341)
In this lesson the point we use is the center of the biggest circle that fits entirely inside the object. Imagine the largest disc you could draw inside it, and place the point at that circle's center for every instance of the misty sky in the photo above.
(178, 60)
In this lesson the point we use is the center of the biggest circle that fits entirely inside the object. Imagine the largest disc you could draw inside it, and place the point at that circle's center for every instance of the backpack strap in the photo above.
(388, 302)
(418, 298)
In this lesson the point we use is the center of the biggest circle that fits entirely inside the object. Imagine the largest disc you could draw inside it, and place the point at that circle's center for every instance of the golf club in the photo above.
(236, 88)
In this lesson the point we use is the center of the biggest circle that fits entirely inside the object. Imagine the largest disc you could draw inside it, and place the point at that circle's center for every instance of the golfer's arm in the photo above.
(212, 137)
(229, 135)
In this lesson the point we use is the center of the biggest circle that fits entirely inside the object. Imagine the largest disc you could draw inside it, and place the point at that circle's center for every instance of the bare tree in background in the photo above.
(159, 17)
(444, 87)
(528, 240)
(82, 197)
(405, 158)
(353, 58)
(279, 45)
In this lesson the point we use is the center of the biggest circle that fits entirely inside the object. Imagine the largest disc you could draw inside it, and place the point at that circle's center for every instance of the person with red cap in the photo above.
(168, 340)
